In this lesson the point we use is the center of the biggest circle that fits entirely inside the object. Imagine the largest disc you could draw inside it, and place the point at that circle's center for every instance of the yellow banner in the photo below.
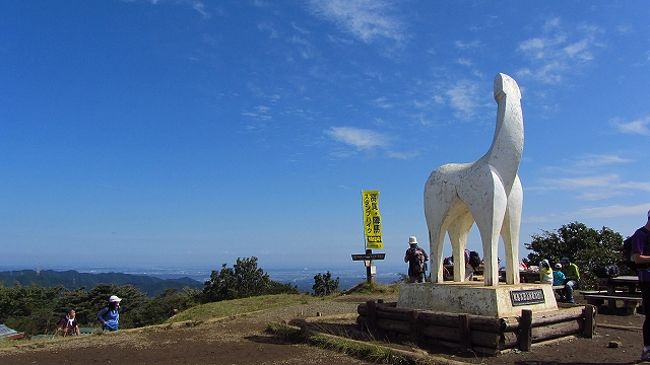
(371, 219)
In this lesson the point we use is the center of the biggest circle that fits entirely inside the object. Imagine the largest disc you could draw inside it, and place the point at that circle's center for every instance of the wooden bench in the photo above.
(630, 303)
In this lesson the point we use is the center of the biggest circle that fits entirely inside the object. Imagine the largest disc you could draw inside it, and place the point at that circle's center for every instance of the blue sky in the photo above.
(188, 133)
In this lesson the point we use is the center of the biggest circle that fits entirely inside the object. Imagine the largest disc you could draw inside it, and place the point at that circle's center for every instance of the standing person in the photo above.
(641, 256)
(109, 316)
(572, 278)
(545, 272)
(68, 325)
(416, 258)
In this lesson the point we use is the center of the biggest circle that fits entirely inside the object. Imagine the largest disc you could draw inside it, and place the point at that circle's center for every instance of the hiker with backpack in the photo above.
(109, 316)
(68, 325)
(416, 258)
(640, 242)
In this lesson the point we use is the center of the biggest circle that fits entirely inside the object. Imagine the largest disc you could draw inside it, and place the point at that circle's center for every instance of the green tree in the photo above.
(325, 285)
(165, 305)
(588, 248)
(243, 280)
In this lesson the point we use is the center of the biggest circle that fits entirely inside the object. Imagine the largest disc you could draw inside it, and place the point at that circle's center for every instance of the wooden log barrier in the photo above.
(555, 330)
(481, 333)
(564, 315)
(372, 314)
(464, 333)
(401, 327)
(442, 333)
(415, 326)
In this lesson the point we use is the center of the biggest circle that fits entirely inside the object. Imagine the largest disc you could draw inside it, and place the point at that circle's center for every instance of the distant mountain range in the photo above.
(72, 279)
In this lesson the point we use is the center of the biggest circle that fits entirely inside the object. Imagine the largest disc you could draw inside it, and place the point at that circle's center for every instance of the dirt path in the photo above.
(243, 341)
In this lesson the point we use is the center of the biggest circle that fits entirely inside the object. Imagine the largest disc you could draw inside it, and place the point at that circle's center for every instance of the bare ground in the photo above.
(242, 340)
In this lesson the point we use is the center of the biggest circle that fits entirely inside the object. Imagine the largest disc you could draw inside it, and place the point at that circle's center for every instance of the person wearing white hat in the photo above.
(416, 258)
(109, 316)
(545, 272)
(641, 257)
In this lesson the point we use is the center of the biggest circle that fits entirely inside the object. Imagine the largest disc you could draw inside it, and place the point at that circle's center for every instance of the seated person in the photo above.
(68, 325)
(559, 279)
(572, 278)
(545, 272)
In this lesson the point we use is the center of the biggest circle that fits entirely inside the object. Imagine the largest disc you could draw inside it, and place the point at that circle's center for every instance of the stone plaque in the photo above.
(526, 297)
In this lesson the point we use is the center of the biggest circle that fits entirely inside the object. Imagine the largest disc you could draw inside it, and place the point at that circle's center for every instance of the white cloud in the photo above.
(199, 7)
(401, 155)
(558, 50)
(383, 102)
(639, 126)
(583, 182)
(614, 211)
(268, 28)
(361, 139)
(463, 98)
(593, 160)
(464, 62)
(467, 45)
(606, 211)
(299, 29)
(367, 20)
(259, 112)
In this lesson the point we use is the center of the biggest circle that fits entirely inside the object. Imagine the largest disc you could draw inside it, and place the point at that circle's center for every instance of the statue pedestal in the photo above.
(475, 298)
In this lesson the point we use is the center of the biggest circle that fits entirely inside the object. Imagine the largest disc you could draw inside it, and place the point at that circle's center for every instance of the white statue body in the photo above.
(487, 191)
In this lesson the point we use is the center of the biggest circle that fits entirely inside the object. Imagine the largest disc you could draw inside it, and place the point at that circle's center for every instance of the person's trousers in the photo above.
(645, 292)
(568, 290)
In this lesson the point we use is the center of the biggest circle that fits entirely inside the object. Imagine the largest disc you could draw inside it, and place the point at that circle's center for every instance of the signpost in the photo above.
(372, 232)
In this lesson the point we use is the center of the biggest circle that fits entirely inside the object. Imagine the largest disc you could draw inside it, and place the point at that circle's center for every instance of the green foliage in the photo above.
(164, 306)
(36, 310)
(586, 247)
(243, 280)
(325, 285)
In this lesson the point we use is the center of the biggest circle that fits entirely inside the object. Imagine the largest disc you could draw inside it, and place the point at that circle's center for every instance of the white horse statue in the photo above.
(487, 191)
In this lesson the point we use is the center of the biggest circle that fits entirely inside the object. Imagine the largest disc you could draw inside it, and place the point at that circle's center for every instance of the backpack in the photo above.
(416, 261)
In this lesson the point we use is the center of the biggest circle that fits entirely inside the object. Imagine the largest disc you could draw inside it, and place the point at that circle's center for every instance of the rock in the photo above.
(614, 344)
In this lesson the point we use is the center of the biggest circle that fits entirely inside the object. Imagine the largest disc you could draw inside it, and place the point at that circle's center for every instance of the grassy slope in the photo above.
(239, 306)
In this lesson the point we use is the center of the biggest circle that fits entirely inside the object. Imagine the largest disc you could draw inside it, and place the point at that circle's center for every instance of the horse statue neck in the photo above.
(507, 146)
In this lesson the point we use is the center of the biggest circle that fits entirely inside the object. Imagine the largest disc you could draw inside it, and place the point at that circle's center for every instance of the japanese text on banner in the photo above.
(372, 219)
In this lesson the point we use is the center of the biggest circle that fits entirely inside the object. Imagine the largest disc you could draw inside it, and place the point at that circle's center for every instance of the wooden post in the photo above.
(590, 321)
(525, 330)
(465, 340)
(369, 268)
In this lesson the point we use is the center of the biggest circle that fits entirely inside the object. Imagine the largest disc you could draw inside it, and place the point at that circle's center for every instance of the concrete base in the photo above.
(476, 298)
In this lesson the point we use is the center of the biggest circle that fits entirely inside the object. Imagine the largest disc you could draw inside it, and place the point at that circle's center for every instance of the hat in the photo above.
(545, 263)
(413, 240)
(114, 298)
(558, 265)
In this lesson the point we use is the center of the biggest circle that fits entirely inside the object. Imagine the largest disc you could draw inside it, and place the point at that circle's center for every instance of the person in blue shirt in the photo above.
(558, 280)
(109, 316)
(558, 275)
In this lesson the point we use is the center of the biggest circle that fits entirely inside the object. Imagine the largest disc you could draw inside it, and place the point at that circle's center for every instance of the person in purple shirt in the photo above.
(641, 256)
